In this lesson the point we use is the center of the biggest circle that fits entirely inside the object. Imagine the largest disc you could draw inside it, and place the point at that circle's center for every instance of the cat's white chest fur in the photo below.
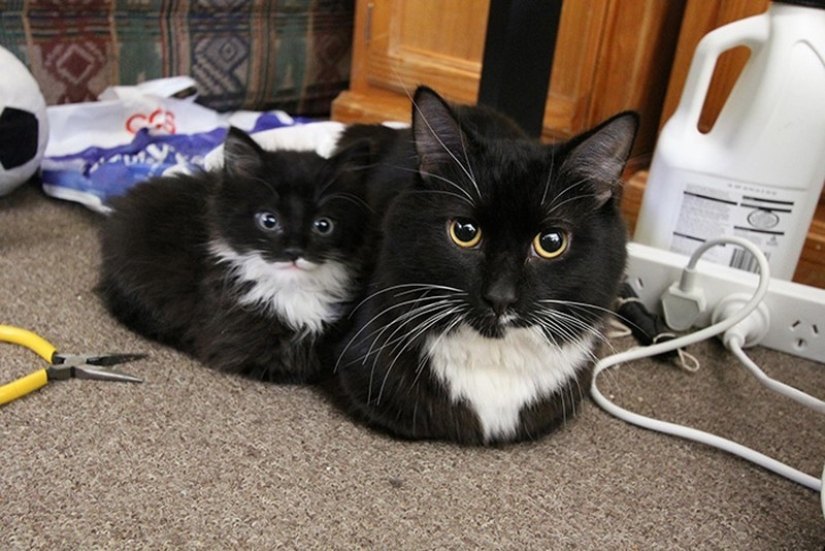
(498, 377)
(305, 298)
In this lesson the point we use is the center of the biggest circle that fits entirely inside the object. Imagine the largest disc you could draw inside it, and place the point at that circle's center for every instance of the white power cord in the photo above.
(735, 346)
(686, 340)
(749, 332)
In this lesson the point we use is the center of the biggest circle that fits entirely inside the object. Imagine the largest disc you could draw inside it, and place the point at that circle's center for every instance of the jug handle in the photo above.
(751, 32)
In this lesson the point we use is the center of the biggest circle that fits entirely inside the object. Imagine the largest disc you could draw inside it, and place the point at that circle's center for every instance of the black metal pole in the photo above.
(518, 59)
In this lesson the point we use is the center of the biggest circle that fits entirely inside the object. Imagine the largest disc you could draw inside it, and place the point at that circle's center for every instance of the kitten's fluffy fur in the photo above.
(248, 268)
(497, 259)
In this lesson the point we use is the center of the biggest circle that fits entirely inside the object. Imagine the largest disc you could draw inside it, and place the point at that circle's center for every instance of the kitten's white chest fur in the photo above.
(498, 377)
(305, 298)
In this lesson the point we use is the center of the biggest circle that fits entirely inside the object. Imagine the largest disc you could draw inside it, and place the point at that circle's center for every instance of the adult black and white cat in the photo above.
(248, 268)
(498, 258)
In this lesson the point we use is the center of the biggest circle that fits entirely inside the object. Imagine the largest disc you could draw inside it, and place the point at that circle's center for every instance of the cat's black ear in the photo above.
(599, 156)
(438, 136)
(241, 154)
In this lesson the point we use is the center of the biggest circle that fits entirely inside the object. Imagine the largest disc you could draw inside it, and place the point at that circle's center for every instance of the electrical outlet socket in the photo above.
(797, 312)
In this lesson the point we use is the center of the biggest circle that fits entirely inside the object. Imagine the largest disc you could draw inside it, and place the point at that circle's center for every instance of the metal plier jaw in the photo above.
(89, 366)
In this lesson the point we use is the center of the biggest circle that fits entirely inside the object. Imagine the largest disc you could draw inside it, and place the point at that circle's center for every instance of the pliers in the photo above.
(62, 366)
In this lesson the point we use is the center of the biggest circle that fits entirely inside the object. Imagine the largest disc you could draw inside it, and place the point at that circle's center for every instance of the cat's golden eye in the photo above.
(323, 226)
(465, 233)
(550, 244)
(267, 221)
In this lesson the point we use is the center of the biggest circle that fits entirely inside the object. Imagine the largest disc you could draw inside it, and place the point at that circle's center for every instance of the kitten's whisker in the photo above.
(354, 199)
(266, 183)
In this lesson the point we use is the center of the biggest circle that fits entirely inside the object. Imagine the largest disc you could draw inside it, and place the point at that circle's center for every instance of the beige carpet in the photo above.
(193, 459)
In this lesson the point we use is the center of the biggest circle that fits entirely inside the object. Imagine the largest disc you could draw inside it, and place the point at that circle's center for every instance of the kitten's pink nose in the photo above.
(293, 253)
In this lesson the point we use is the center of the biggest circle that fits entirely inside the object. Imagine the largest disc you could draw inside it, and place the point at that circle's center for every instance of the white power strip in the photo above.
(797, 312)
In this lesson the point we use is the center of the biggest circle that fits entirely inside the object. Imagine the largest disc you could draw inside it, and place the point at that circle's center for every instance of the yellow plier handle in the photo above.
(22, 386)
(32, 382)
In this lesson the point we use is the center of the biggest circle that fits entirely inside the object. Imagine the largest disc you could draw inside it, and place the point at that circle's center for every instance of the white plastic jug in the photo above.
(759, 171)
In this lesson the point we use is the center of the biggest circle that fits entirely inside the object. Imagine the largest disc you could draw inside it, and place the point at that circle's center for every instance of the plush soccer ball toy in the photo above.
(24, 130)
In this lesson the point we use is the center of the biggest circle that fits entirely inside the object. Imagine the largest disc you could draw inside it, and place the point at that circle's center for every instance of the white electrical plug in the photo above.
(751, 330)
(683, 302)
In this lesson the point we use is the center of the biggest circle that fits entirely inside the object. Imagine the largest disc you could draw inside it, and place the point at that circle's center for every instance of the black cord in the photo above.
(648, 328)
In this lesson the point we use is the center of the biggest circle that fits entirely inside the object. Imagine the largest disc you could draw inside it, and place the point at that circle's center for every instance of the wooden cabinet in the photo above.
(611, 55)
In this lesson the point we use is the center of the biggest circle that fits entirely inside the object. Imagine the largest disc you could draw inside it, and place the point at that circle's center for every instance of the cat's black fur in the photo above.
(174, 247)
(467, 168)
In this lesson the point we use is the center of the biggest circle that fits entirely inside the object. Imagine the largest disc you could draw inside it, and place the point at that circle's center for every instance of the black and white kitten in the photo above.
(248, 268)
(498, 258)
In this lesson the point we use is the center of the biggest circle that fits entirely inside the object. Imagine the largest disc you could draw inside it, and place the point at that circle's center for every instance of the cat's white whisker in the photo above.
(437, 192)
(583, 306)
(472, 175)
(550, 175)
(407, 289)
(580, 197)
(392, 340)
(555, 201)
(409, 339)
(451, 183)
(401, 321)
(438, 139)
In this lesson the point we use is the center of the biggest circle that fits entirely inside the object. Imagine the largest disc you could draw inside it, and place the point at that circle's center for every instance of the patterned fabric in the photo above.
(253, 54)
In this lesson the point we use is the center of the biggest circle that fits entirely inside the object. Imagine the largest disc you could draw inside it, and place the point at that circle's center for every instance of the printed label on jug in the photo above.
(716, 207)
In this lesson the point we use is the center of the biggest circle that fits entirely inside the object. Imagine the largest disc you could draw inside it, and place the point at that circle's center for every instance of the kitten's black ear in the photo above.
(438, 137)
(241, 154)
(600, 155)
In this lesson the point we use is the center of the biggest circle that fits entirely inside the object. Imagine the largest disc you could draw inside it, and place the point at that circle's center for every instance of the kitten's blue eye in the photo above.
(323, 226)
(550, 244)
(465, 233)
(267, 221)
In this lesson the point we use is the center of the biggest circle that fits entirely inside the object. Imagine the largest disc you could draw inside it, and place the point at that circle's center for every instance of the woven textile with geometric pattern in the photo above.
(253, 54)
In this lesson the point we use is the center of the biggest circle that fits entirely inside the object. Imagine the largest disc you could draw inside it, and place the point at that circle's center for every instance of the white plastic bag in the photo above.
(100, 149)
